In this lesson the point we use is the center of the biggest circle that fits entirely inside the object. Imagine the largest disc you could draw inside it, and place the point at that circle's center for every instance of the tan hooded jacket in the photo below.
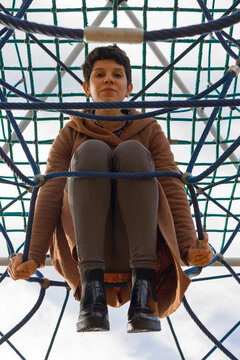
(53, 228)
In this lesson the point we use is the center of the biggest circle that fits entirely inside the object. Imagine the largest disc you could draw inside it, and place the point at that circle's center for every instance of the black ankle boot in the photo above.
(143, 300)
(93, 314)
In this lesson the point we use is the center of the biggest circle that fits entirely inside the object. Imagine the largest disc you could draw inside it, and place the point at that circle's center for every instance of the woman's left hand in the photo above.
(200, 256)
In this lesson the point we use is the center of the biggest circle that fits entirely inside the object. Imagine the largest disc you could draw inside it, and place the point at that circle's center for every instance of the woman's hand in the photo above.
(200, 256)
(21, 270)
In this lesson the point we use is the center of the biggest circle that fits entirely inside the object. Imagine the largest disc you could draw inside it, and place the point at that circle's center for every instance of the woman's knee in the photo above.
(92, 155)
(132, 155)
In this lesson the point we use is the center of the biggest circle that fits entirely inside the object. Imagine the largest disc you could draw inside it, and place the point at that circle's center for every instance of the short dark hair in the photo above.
(112, 52)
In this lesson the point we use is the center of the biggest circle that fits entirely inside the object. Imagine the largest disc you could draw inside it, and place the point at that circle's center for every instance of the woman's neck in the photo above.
(110, 125)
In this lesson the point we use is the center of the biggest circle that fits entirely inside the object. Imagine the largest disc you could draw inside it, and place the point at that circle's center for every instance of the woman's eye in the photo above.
(99, 75)
(118, 75)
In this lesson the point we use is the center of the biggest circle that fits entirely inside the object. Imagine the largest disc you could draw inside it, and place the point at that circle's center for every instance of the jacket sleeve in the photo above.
(49, 201)
(174, 190)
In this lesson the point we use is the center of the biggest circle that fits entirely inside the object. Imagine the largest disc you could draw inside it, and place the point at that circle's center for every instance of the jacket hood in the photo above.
(90, 129)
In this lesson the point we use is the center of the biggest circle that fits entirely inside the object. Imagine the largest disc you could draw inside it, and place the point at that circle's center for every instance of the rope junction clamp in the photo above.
(235, 68)
(45, 284)
(200, 244)
(184, 178)
(220, 257)
(116, 35)
(200, 190)
(41, 179)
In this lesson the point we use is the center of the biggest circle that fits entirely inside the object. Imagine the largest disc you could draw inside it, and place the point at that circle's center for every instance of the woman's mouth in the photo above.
(108, 90)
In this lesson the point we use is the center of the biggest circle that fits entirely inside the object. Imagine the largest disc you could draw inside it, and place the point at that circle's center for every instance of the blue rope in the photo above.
(189, 31)
(58, 324)
(217, 163)
(222, 340)
(3, 276)
(104, 105)
(166, 104)
(13, 347)
(178, 58)
(9, 182)
(230, 269)
(227, 179)
(193, 271)
(14, 169)
(196, 270)
(30, 223)
(167, 68)
(40, 280)
(112, 175)
(209, 124)
(206, 331)
(157, 35)
(19, 197)
(20, 137)
(206, 12)
(9, 243)
(26, 318)
(25, 5)
(175, 338)
(50, 30)
(196, 212)
(198, 96)
(218, 277)
(232, 7)
(142, 175)
(234, 41)
(221, 206)
(120, 105)
(54, 57)
(51, 282)
(231, 239)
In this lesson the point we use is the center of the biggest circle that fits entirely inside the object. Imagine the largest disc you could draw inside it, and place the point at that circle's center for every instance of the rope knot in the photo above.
(45, 284)
(235, 68)
(220, 257)
(184, 178)
(41, 179)
(200, 190)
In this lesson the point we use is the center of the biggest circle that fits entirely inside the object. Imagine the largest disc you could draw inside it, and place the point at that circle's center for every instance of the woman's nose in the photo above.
(108, 79)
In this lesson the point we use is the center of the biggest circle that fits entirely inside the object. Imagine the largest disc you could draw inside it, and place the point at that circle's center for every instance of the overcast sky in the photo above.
(216, 302)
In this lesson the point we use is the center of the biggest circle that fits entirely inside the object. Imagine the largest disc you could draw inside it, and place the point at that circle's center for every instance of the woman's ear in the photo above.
(129, 90)
(86, 88)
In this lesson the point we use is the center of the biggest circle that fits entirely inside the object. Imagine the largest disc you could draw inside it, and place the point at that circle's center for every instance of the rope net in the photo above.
(173, 78)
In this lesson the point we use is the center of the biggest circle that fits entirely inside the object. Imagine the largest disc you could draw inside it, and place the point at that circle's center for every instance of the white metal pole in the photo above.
(180, 84)
(4, 261)
(53, 82)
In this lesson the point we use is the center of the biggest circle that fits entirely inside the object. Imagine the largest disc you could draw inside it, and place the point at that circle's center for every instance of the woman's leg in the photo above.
(89, 201)
(138, 200)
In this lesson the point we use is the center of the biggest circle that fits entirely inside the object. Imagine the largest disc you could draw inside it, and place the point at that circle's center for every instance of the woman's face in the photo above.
(108, 82)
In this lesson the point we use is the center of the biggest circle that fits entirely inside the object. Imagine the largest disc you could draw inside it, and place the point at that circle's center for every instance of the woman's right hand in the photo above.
(21, 270)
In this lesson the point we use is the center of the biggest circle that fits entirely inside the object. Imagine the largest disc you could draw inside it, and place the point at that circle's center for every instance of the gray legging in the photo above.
(115, 221)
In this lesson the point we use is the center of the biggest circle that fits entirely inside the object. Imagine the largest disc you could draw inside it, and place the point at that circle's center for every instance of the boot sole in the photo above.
(143, 323)
(93, 322)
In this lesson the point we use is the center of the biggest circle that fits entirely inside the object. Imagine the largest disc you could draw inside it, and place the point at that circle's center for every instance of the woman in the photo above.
(114, 230)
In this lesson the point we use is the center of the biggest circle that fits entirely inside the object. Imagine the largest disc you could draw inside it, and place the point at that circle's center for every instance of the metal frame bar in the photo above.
(4, 261)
